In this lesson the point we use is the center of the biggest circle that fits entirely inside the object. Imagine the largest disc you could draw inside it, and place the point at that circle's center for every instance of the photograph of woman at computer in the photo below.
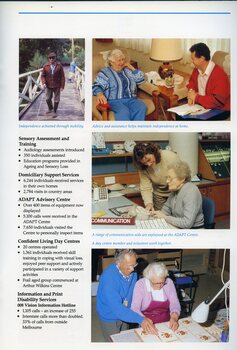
(169, 180)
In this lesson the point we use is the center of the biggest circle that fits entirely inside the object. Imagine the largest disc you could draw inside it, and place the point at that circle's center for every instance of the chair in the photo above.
(147, 92)
(222, 58)
(208, 208)
(186, 283)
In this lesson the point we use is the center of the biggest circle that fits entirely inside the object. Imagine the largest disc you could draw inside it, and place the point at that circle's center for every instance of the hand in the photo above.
(101, 99)
(191, 96)
(61, 89)
(44, 86)
(159, 214)
(173, 323)
(128, 65)
(149, 207)
(148, 326)
(190, 102)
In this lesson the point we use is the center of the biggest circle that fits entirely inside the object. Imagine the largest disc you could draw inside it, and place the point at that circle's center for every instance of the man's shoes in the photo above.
(49, 111)
(55, 107)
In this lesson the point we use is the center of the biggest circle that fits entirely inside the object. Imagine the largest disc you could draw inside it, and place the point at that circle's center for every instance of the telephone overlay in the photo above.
(100, 194)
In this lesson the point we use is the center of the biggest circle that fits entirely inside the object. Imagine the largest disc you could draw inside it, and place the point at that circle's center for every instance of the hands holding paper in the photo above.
(192, 96)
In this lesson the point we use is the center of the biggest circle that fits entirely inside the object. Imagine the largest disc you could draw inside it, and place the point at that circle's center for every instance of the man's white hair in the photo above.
(120, 253)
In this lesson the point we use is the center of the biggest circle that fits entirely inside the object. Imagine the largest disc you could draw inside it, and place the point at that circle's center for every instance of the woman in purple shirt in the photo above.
(155, 297)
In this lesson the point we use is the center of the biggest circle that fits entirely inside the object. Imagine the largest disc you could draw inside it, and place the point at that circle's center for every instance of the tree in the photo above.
(29, 47)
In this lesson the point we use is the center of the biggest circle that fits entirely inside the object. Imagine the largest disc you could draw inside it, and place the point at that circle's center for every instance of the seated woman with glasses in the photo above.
(155, 296)
(152, 164)
(183, 208)
(116, 85)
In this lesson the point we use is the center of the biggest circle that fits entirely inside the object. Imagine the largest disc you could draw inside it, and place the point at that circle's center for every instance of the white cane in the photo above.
(42, 93)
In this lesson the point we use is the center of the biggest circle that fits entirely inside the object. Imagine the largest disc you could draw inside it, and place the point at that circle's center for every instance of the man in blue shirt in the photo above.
(114, 296)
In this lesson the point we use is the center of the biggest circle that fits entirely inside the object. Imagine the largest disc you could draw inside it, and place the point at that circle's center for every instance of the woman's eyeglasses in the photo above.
(159, 284)
(170, 179)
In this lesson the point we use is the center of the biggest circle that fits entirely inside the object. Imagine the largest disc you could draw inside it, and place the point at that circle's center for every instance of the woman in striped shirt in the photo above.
(116, 85)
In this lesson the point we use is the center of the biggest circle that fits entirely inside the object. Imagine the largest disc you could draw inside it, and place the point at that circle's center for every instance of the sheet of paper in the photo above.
(185, 336)
(196, 330)
(147, 338)
(128, 337)
(187, 109)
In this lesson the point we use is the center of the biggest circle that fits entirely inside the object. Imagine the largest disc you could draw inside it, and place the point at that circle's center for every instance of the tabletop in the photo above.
(188, 331)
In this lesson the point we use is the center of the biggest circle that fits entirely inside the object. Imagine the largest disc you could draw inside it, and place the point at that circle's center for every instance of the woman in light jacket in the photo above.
(155, 296)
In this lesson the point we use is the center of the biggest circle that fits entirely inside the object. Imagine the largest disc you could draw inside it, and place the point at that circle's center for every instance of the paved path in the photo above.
(70, 107)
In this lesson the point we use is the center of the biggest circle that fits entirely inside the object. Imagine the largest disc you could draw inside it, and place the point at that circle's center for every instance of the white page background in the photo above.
(14, 26)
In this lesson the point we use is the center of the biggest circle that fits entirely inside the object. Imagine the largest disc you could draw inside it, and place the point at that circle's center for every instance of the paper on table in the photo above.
(115, 194)
(214, 331)
(165, 334)
(185, 336)
(195, 329)
(128, 337)
(187, 109)
(147, 338)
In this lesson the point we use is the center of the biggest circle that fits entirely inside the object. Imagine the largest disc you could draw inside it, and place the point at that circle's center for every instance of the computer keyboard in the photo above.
(152, 223)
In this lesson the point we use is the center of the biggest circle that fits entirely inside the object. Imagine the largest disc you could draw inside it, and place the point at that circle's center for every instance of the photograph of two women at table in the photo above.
(180, 178)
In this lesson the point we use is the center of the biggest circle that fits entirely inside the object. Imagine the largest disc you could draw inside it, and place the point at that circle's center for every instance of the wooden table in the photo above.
(171, 95)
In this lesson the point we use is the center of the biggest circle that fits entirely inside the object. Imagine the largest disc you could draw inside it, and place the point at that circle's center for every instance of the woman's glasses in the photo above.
(170, 179)
(158, 284)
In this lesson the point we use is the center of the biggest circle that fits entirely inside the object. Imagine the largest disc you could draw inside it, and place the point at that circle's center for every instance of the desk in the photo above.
(171, 95)
(216, 190)
(104, 206)
(114, 202)
(188, 331)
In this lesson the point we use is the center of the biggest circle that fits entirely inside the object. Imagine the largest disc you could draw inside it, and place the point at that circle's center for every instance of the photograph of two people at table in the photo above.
(120, 300)
(166, 188)
(136, 290)
(134, 79)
